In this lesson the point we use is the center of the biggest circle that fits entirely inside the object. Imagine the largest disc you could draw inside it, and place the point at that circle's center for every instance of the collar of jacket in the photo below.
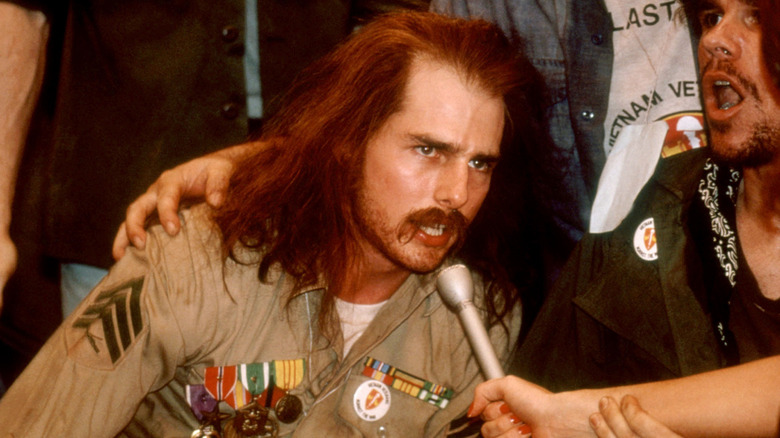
(415, 291)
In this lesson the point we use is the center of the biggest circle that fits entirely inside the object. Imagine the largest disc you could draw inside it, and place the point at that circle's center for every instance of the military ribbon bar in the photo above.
(222, 383)
(237, 385)
(416, 387)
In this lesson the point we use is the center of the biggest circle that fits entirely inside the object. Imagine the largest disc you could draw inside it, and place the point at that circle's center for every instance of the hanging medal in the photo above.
(253, 391)
(205, 431)
(288, 374)
(252, 421)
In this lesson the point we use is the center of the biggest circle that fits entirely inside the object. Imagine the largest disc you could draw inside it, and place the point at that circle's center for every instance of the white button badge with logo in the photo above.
(372, 400)
(645, 243)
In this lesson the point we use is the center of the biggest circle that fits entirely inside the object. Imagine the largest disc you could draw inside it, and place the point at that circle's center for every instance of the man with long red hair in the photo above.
(306, 304)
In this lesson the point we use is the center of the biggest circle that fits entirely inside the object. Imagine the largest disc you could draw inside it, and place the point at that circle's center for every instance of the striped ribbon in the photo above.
(223, 383)
(416, 387)
(255, 376)
(288, 373)
(238, 384)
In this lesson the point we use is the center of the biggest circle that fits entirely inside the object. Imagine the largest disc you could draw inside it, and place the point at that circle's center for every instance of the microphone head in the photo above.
(455, 285)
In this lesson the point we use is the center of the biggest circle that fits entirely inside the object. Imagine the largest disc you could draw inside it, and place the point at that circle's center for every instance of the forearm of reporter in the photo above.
(730, 402)
(734, 402)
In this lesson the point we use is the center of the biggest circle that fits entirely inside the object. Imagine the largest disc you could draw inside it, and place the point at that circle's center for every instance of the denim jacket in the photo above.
(570, 43)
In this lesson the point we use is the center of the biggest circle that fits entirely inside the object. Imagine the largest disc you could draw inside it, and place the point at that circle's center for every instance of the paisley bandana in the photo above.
(718, 245)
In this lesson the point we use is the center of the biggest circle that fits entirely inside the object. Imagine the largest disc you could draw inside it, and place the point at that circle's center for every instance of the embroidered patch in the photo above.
(645, 243)
(371, 400)
(109, 326)
(408, 384)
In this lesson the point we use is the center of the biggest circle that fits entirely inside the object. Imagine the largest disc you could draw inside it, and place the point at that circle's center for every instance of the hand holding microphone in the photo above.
(457, 291)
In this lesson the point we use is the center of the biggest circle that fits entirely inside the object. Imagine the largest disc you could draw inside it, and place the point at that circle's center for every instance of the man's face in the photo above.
(740, 105)
(427, 170)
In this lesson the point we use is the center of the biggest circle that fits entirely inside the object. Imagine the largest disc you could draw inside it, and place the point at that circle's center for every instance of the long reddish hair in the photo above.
(294, 199)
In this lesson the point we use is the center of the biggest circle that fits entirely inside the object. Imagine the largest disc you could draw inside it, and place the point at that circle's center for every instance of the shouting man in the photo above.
(689, 280)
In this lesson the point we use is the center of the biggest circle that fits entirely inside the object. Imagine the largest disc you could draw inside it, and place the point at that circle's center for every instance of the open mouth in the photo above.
(433, 230)
(725, 95)
(434, 235)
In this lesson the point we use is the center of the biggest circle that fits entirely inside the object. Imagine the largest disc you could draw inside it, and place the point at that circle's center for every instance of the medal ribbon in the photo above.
(237, 385)
(432, 393)
(289, 373)
(200, 400)
(255, 376)
(222, 383)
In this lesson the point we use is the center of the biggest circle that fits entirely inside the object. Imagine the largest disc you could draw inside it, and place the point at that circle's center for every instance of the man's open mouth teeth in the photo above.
(435, 230)
(726, 96)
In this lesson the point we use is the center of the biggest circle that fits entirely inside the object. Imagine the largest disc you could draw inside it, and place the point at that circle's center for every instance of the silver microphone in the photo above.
(457, 291)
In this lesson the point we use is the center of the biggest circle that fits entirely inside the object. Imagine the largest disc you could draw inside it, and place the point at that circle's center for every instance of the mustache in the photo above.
(454, 221)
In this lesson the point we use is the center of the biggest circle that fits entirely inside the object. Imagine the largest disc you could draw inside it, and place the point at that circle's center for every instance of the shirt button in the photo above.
(229, 34)
(229, 111)
(587, 115)
(597, 39)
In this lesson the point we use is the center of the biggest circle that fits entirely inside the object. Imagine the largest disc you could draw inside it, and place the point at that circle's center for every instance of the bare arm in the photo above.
(736, 401)
(739, 401)
(22, 57)
(627, 419)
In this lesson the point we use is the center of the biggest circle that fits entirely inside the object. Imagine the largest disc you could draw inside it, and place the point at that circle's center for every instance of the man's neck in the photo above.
(372, 290)
(758, 225)
(373, 280)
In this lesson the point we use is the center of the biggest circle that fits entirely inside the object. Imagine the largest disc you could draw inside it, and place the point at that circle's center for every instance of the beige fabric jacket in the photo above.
(120, 363)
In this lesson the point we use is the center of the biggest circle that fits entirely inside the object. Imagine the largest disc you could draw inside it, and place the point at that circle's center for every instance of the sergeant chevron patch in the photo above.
(108, 326)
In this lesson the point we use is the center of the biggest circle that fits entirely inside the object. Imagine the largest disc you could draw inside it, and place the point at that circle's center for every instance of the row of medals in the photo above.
(251, 420)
